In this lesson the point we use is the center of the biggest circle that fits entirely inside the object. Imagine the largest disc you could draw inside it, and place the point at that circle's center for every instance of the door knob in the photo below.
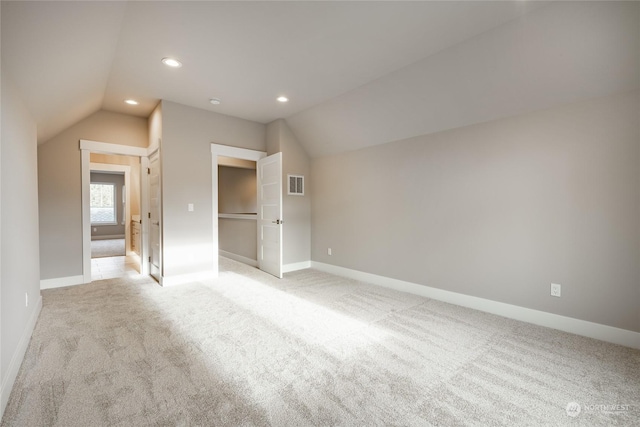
(277, 221)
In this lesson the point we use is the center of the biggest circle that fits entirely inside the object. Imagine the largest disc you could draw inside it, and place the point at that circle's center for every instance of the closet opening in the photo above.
(237, 209)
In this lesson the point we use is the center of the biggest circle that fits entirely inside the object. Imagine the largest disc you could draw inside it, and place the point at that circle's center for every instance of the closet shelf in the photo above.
(252, 216)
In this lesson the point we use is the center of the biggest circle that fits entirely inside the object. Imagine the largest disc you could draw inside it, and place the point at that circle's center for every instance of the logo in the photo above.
(573, 409)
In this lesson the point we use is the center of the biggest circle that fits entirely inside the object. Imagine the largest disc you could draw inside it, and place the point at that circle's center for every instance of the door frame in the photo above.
(147, 218)
(236, 153)
(86, 148)
(126, 169)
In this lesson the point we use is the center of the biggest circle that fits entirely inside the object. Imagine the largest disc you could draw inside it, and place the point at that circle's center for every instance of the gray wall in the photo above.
(59, 187)
(498, 210)
(20, 273)
(237, 190)
(296, 210)
(187, 134)
(237, 194)
(110, 230)
(238, 236)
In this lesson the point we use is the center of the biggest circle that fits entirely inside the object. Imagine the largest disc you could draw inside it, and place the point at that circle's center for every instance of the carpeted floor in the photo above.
(311, 349)
(107, 248)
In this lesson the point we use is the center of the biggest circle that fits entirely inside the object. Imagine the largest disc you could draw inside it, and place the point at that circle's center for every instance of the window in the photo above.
(103, 204)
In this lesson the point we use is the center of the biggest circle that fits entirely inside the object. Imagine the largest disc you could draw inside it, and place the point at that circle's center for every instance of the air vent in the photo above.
(296, 185)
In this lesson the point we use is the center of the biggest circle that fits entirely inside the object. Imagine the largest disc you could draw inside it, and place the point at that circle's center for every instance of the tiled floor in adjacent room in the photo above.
(113, 267)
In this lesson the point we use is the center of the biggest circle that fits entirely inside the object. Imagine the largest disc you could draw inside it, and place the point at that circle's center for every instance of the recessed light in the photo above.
(215, 101)
(282, 99)
(131, 101)
(172, 62)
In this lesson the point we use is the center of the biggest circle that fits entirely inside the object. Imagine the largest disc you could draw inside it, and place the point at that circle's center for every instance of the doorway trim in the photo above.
(108, 167)
(86, 148)
(236, 153)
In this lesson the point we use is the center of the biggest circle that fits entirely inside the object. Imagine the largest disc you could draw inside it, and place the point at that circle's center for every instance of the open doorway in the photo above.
(237, 209)
(114, 208)
(268, 205)
(226, 155)
(118, 158)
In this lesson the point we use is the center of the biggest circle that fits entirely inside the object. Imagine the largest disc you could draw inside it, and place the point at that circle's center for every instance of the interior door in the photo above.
(155, 247)
(269, 173)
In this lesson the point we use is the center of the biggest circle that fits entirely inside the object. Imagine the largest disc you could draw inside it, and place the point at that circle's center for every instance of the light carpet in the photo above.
(107, 248)
(311, 349)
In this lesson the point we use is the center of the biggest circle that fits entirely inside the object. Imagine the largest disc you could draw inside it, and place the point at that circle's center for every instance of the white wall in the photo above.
(498, 210)
(187, 134)
(20, 274)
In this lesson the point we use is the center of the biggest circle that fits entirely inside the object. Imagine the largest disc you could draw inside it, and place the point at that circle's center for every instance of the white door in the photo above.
(270, 214)
(155, 248)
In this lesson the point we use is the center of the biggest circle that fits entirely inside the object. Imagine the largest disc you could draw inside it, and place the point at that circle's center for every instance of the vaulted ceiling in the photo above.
(357, 73)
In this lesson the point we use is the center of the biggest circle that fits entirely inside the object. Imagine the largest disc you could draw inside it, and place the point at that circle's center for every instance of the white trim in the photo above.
(238, 216)
(227, 151)
(239, 258)
(155, 154)
(61, 282)
(18, 356)
(153, 147)
(144, 217)
(288, 268)
(86, 213)
(108, 148)
(537, 317)
(236, 152)
(188, 278)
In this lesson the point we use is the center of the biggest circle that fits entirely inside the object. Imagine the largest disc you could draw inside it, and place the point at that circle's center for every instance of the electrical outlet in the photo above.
(328, 251)
(190, 207)
(26, 299)
(556, 290)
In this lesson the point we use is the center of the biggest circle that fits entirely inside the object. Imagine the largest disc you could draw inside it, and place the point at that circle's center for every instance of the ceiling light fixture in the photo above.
(131, 101)
(172, 62)
(215, 101)
(282, 99)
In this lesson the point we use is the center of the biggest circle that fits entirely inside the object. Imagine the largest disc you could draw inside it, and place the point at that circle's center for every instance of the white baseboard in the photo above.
(18, 356)
(239, 258)
(180, 279)
(550, 320)
(61, 282)
(288, 268)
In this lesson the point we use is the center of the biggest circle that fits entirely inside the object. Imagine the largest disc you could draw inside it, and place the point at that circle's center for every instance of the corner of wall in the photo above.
(154, 122)
(296, 209)
(273, 137)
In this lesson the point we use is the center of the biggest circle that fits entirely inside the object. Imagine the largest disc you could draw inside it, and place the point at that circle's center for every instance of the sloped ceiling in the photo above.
(558, 54)
(357, 73)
